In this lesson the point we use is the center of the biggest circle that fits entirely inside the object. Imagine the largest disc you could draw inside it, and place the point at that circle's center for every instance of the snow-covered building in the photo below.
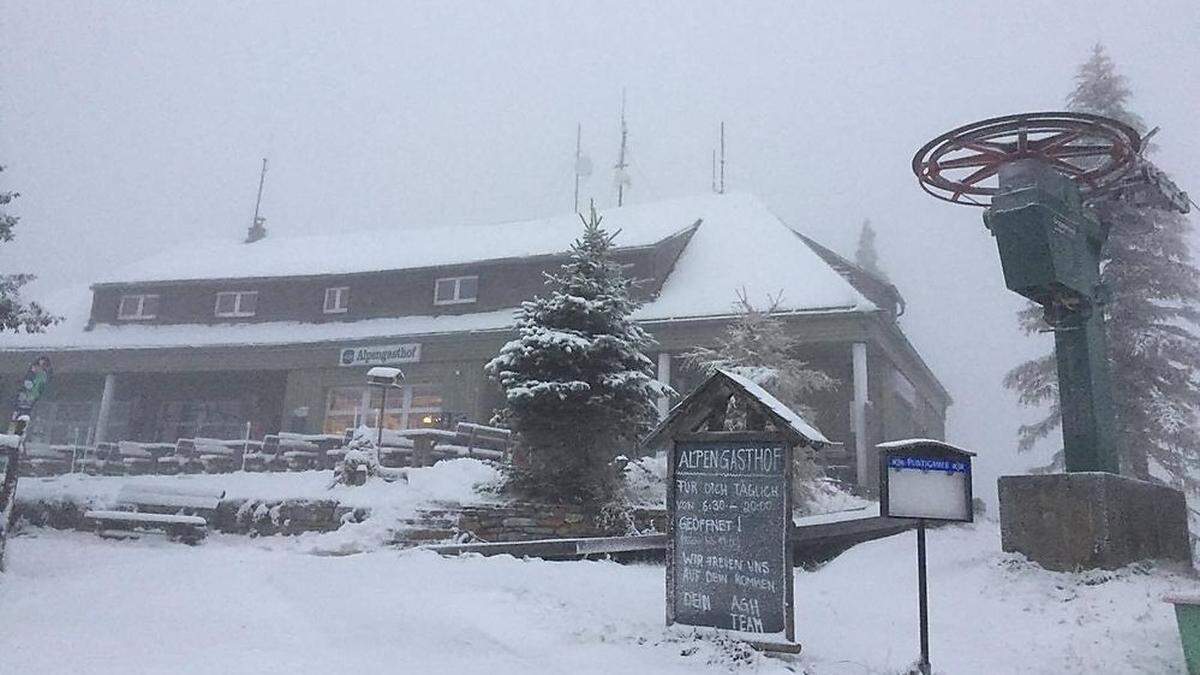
(277, 335)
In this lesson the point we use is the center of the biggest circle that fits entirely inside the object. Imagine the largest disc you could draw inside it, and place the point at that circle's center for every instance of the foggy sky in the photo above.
(132, 127)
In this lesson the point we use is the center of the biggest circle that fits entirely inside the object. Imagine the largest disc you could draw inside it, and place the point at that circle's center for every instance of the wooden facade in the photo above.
(502, 283)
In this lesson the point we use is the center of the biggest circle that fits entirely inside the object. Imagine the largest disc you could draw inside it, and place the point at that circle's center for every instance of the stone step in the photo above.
(422, 536)
(432, 523)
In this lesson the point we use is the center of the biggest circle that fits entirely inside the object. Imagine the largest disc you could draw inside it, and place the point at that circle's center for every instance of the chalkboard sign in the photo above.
(729, 559)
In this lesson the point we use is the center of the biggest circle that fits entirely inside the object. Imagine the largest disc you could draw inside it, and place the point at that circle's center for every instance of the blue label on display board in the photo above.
(928, 464)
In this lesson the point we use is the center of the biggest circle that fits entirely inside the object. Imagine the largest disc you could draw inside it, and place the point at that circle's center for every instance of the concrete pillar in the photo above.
(858, 354)
(664, 376)
(106, 401)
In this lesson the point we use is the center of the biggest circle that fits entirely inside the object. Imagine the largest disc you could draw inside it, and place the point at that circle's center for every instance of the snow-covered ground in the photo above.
(74, 603)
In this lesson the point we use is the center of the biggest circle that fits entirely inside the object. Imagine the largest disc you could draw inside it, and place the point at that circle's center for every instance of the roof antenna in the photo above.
(621, 175)
(257, 230)
(583, 163)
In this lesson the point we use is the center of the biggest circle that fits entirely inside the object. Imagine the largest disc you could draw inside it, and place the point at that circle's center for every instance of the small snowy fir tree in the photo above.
(1152, 318)
(756, 345)
(16, 315)
(361, 461)
(579, 389)
(865, 256)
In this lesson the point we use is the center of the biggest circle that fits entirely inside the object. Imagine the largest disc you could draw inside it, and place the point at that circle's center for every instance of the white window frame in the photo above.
(456, 300)
(237, 304)
(399, 406)
(341, 304)
(141, 314)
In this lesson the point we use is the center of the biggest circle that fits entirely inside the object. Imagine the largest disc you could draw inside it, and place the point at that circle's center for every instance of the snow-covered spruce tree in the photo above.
(16, 315)
(1152, 316)
(579, 389)
(756, 345)
(865, 256)
(361, 461)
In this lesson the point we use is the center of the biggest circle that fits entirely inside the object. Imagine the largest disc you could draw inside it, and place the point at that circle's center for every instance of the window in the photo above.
(454, 290)
(138, 307)
(337, 300)
(239, 303)
(74, 422)
(408, 408)
(215, 418)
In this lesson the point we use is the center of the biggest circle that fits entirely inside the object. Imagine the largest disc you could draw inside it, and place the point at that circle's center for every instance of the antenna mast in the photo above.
(622, 176)
(257, 230)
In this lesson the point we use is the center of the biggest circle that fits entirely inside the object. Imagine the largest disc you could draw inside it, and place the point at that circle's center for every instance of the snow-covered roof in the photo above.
(740, 244)
(696, 407)
(399, 248)
(793, 419)
(917, 442)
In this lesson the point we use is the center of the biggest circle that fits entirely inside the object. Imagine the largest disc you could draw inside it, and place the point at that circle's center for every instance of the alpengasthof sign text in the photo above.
(380, 355)
(729, 558)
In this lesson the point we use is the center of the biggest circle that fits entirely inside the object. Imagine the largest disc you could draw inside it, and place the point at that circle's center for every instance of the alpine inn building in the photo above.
(229, 338)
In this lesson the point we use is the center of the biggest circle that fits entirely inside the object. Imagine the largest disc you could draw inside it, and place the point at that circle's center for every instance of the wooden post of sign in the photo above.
(923, 601)
(925, 479)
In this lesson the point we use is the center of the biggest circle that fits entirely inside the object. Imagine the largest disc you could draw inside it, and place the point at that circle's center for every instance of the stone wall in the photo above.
(507, 522)
(233, 516)
(527, 521)
(58, 514)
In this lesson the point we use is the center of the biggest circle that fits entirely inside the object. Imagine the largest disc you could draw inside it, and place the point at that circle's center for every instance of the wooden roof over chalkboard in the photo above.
(713, 396)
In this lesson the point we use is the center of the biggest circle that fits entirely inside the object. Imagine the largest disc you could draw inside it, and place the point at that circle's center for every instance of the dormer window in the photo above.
(337, 300)
(138, 307)
(237, 303)
(455, 290)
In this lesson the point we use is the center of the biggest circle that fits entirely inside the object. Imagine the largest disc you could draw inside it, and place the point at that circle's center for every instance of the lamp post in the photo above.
(385, 378)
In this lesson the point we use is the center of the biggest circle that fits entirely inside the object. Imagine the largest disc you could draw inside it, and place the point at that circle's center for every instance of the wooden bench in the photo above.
(330, 447)
(42, 459)
(426, 446)
(184, 459)
(395, 452)
(301, 452)
(102, 460)
(219, 455)
(181, 512)
(483, 441)
(259, 455)
(467, 440)
(424, 442)
(142, 458)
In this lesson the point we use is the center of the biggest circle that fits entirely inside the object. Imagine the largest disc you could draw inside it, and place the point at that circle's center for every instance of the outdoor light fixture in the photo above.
(385, 378)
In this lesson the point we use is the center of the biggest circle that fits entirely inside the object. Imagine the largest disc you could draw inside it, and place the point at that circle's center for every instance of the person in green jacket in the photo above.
(31, 390)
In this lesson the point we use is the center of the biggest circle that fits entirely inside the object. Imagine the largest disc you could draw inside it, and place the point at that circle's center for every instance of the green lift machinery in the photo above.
(1038, 175)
